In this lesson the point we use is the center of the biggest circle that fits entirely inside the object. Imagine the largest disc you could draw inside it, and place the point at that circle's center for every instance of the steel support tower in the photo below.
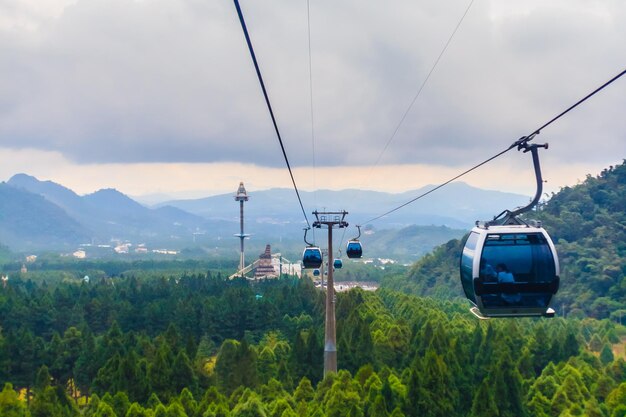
(330, 219)
(241, 196)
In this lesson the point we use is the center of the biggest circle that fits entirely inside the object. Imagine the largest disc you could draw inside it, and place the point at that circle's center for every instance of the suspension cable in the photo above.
(269, 106)
(515, 144)
(308, 21)
(419, 91)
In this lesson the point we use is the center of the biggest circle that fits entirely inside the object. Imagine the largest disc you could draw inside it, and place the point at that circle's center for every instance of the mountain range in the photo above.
(40, 215)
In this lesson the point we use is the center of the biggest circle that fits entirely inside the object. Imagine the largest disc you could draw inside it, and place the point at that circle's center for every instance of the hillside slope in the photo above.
(107, 213)
(30, 221)
(588, 225)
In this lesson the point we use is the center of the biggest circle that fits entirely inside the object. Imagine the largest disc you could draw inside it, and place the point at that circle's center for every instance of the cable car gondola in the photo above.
(509, 267)
(337, 263)
(316, 272)
(312, 255)
(510, 270)
(354, 249)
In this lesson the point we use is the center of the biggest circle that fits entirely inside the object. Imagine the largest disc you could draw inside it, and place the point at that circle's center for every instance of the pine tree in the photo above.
(438, 397)
(483, 404)
(120, 403)
(507, 388)
(153, 401)
(595, 344)
(617, 399)
(137, 410)
(539, 405)
(160, 372)
(182, 374)
(378, 408)
(43, 378)
(280, 406)
(176, 410)
(267, 365)
(105, 410)
(10, 405)
(225, 366)
(304, 392)
(592, 409)
(342, 403)
(52, 402)
(85, 367)
(251, 408)
(188, 402)
(602, 387)
(560, 402)
(606, 354)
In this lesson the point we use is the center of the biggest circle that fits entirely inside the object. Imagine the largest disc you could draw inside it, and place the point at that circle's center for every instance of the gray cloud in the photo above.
(171, 81)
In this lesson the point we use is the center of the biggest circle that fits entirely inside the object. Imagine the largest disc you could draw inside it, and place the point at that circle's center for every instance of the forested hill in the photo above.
(199, 346)
(588, 225)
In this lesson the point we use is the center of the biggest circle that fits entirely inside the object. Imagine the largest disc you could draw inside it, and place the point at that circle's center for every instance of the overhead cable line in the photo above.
(419, 91)
(516, 144)
(269, 105)
(308, 20)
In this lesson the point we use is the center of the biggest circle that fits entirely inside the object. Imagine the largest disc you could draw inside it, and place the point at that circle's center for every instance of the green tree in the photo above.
(137, 410)
(236, 366)
(43, 378)
(268, 367)
(539, 405)
(617, 399)
(175, 409)
(10, 405)
(226, 365)
(280, 406)
(606, 354)
(484, 404)
(160, 372)
(378, 408)
(105, 410)
(595, 344)
(342, 403)
(432, 388)
(120, 403)
(188, 402)
(182, 374)
(250, 408)
(52, 402)
(304, 392)
(507, 384)
(85, 367)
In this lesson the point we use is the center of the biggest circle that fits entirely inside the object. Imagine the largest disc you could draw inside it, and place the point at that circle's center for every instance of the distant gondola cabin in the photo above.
(354, 249)
(312, 257)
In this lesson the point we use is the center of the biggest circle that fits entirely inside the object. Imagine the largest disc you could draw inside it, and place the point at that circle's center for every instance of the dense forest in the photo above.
(199, 346)
(588, 225)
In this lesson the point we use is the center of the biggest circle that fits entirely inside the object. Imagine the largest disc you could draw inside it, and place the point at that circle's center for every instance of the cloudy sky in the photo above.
(160, 96)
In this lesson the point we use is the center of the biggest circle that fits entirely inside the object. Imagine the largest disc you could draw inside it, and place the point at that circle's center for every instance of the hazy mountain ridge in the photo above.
(30, 220)
(102, 215)
(272, 216)
(457, 205)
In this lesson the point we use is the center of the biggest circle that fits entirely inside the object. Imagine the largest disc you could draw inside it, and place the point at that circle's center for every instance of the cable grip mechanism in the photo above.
(507, 216)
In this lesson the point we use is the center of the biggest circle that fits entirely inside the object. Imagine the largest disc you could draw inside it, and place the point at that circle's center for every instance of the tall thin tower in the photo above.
(330, 219)
(241, 196)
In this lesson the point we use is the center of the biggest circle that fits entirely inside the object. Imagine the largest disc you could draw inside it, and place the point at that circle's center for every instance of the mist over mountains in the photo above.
(43, 215)
(456, 205)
